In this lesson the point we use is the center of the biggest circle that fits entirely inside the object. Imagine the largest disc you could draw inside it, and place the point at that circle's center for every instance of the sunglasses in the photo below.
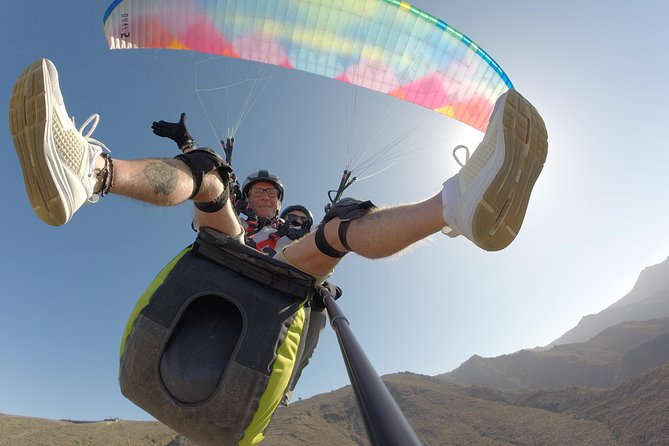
(294, 218)
(271, 192)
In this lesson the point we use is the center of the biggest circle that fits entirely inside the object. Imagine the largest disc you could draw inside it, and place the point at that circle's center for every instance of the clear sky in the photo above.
(599, 214)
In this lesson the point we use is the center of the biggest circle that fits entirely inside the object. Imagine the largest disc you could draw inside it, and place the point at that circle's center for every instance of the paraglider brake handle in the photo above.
(344, 183)
(228, 146)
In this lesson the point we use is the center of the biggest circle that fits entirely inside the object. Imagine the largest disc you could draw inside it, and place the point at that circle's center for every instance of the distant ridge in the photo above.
(627, 338)
(648, 299)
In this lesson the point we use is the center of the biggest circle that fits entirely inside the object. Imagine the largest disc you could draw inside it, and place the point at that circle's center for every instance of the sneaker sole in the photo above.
(500, 213)
(29, 112)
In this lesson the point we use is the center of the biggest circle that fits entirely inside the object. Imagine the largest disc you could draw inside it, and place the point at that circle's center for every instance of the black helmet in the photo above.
(299, 207)
(262, 175)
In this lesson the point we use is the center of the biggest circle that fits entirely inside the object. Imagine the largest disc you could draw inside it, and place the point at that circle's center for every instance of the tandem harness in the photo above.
(217, 340)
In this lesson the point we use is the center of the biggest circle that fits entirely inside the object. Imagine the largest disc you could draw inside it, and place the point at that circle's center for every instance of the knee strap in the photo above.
(343, 230)
(347, 209)
(213, 206)
(203, 161)
(325, 247)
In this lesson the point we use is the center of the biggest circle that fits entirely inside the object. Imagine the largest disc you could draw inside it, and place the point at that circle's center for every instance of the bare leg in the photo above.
(486, 201)
(59, 185)
(379, 234)
(168, 182)
(224, 220)
(163, 182)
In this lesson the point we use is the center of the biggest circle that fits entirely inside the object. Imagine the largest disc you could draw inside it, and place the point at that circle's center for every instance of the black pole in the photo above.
(385, 422)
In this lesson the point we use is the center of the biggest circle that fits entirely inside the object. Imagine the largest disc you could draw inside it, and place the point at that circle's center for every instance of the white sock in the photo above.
(450, 194)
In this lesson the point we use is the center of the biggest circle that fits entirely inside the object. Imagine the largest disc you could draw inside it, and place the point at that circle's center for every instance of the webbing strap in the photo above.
(325, 247)
(213, 206)
(343, 230)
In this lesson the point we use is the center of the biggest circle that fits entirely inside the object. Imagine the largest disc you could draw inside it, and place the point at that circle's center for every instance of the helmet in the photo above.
(262, 175)
(299, 207)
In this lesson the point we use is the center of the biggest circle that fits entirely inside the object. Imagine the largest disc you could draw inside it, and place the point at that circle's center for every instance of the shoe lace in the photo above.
(95, 119)
(455, 156)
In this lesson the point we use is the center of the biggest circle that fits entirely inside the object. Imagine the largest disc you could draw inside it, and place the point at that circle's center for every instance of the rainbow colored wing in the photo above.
(384, 45)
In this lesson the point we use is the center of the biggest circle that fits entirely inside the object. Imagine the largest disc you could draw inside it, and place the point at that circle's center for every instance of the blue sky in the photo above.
(597, 217)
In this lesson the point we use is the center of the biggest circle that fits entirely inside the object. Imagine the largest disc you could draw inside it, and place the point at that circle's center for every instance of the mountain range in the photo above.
(603, 350)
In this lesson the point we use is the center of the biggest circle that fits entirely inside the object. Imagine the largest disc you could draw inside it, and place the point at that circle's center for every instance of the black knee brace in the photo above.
(215, 205)
(201, 162)
(347, 209)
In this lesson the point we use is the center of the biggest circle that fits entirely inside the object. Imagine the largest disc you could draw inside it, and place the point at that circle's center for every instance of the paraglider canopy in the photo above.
(385, 45)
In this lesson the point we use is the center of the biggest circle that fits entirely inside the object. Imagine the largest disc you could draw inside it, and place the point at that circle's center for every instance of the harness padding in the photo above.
(212, 345)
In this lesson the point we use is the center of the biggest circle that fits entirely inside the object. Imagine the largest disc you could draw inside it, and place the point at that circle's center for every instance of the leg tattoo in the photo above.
(162, 176)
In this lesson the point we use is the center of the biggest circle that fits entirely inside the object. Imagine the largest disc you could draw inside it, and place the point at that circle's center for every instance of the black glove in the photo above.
(176, 131)
(238, 200)
(347, 209)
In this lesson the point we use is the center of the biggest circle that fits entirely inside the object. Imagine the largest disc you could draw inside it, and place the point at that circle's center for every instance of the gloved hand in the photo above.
(176, 131)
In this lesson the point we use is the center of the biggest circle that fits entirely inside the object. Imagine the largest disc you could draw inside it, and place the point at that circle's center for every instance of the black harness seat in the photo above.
(213, 344)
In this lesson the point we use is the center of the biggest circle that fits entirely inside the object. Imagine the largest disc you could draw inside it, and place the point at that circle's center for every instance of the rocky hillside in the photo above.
(23, 431)
(633, 413)
(440, 413)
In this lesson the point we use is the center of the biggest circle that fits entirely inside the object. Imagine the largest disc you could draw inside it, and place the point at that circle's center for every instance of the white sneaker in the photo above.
(57, 159)
(487, 200)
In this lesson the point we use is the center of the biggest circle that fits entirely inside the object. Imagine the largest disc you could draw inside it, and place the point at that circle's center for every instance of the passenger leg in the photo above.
(64, 167)
(486, 201)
